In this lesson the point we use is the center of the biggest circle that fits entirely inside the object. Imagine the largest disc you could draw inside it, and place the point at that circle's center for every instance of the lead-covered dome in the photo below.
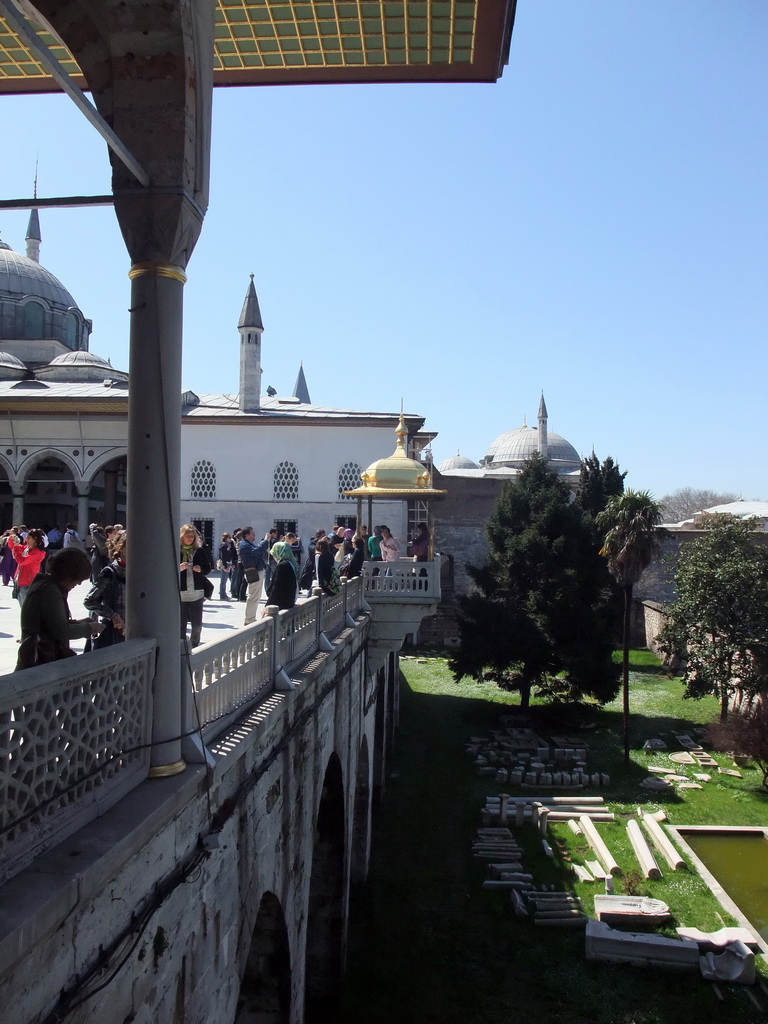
(11, 368)
(518, 445)
(81, 366)
(456, 461)
(35, 306)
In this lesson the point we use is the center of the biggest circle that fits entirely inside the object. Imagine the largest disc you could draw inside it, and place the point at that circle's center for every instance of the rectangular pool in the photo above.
(734, 863)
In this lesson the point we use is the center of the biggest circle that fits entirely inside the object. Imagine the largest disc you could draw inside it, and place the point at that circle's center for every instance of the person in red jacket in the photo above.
(29, 555)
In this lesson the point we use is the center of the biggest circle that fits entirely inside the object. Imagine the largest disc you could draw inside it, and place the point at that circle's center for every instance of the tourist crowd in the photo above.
(44, 565)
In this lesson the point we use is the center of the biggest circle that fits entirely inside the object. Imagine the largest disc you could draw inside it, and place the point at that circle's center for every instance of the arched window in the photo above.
(202, 480)
(286, 482)
(74, 330)
(34, 316)
(349, 478)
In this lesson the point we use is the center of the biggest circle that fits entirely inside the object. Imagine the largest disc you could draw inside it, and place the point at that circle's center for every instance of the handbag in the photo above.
(40, 650)
(252, 576)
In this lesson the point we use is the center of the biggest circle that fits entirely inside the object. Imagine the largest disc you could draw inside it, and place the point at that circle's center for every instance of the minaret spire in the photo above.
(301, 391)
(251, 328)
(542, 441)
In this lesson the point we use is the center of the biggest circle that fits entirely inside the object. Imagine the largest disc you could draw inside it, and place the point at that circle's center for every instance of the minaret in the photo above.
(251, 329)
(543, 447)
(33, 237)
(301, 391)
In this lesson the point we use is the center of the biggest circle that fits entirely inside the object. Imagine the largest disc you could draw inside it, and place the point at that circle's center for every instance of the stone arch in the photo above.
(324, 954)
(50, 489)
(358, 868)
(265, 989)
(107, 491)
(104, 459)
(39, 456)
(6, 495)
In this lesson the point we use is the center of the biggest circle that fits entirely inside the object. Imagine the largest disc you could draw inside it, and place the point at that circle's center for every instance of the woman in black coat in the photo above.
(324, 567)
(282, 585)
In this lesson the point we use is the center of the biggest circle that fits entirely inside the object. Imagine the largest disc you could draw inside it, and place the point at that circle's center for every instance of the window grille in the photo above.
(349, 478)
(286, 482)
(202, 482)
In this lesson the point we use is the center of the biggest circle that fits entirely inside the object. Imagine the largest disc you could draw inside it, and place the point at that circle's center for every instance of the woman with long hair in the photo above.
(324, 564)
(194, 587)
(107, 595)
(29, 554)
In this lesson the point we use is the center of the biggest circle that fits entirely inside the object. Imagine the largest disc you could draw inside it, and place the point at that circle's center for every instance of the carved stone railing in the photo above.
(403, 580)
(240, 670)
(74, 739)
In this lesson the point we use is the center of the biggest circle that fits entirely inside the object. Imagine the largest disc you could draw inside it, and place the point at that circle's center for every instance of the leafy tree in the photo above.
(685, 502)
(719, 622)
(630, 524)
(540, 605)
(598, 482)
(745, 732)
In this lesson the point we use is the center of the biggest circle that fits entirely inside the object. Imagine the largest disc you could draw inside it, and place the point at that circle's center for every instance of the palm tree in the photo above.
(630, 525)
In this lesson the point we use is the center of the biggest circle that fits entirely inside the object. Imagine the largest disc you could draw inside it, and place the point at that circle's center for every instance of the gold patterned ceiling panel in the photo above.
(292, 41)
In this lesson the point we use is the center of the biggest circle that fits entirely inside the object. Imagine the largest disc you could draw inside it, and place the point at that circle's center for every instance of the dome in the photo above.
(397, 472)
(81, 359)
(37, 313)
(79, 367)
(515, 446)
(21, 277)
(456, 461)
(11, 368)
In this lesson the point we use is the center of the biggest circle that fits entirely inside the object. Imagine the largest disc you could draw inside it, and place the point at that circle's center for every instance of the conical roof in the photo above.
(301, 391)
(251, 314)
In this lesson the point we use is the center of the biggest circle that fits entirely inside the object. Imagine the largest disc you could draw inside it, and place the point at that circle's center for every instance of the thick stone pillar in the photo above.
(110, 496)
(83, 512)
(18, 509)
(154, 447)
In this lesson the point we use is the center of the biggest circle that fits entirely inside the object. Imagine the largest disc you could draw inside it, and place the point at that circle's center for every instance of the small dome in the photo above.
(80, 367)
(80, 359)
(11, 367)
(456, 461)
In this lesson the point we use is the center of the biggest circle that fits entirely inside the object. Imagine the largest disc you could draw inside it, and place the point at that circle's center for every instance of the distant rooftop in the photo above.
(738, 509)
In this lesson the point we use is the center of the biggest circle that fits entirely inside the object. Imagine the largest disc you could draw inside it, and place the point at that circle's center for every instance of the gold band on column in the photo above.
(150, 268)
(162, 771)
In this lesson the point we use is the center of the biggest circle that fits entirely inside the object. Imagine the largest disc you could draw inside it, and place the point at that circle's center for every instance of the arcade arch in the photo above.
(358, 868)
(324, 955)
(265, 991)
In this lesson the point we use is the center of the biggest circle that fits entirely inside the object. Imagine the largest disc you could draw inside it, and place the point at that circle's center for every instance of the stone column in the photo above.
(110, 496)
(18, 509)
(83, 511)
(154, 453)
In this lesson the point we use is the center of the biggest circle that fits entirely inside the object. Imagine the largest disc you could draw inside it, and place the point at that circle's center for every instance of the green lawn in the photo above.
(428, 944)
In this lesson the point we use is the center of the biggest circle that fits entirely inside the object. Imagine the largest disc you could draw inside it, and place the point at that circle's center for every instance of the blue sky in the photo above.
(593, 225)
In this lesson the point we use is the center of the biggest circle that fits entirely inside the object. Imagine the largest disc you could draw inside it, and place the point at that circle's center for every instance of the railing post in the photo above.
(317, 592)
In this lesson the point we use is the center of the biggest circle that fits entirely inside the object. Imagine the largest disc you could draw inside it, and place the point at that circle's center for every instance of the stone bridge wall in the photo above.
(204, 891)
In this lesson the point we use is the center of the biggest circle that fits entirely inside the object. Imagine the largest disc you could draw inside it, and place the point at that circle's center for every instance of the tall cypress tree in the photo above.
(598, 483)
(540, 606)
